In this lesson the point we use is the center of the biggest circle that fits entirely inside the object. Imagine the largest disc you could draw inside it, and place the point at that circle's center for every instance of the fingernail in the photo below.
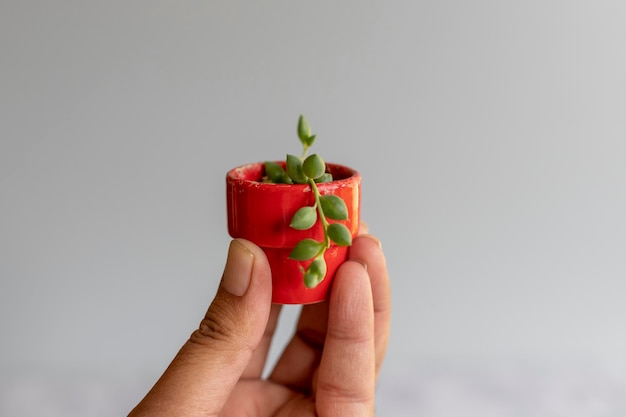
(238, 269)
(375, 239)
(361, 262)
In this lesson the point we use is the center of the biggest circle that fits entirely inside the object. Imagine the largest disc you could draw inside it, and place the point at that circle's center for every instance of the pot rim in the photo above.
(237, 174)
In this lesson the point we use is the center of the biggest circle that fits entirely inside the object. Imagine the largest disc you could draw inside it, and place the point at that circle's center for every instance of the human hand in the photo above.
(328, 369)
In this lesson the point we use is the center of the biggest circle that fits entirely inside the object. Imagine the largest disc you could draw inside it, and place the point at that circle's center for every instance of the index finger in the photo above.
(347, 373)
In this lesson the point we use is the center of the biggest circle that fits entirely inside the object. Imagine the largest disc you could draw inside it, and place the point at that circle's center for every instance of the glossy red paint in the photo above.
(261, 212)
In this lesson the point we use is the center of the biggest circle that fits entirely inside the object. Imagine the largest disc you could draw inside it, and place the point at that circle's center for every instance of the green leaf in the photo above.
(314, 166)
(294, 169)
(306, 249)
(304, 130)
(339, 234)
(304, 218)
(315, 273)
(326, 177)
(334, 207)
(275, 173)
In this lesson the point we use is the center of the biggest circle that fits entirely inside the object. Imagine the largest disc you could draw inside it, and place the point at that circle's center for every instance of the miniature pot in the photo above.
(261, 212)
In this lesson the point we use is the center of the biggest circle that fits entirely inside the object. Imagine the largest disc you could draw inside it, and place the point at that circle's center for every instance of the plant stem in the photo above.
(320, 213)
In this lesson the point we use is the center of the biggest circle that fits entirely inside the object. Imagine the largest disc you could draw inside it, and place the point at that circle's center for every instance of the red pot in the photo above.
(261, 212)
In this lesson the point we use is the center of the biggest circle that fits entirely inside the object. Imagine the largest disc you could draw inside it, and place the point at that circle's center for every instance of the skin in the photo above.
(328, 369)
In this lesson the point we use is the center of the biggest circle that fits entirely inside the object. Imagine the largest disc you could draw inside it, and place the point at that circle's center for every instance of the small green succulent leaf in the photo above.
(315, 273)
(294, 169)
(326, 177)
(334, 207)
(314, 166)
(306, 249)
(339, 234)
(311, 280)
(275, 173)
(304, 130)
(304, 218)
(318, 266)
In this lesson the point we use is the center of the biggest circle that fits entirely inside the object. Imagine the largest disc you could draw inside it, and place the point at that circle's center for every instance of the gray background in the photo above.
(490, 136)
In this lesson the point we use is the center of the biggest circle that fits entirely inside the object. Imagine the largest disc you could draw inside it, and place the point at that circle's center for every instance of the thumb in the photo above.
(204, 372)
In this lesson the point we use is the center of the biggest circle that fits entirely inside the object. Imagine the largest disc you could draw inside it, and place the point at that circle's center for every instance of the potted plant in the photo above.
(302, 212)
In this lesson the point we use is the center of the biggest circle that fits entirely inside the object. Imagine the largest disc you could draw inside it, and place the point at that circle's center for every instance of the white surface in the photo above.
(425, 390)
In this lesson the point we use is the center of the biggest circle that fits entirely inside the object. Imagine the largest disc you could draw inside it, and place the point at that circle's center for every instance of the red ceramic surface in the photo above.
(261, 212)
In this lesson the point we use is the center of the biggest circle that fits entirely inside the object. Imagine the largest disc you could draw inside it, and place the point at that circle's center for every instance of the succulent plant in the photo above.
(311, 170)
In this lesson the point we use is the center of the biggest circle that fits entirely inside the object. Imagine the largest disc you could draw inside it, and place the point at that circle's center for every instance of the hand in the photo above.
(328, 369)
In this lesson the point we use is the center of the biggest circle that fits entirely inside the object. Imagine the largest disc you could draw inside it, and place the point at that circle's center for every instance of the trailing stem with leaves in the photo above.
(311, 170)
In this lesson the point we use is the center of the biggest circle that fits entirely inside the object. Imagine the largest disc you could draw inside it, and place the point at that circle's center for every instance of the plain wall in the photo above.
(490, 136)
